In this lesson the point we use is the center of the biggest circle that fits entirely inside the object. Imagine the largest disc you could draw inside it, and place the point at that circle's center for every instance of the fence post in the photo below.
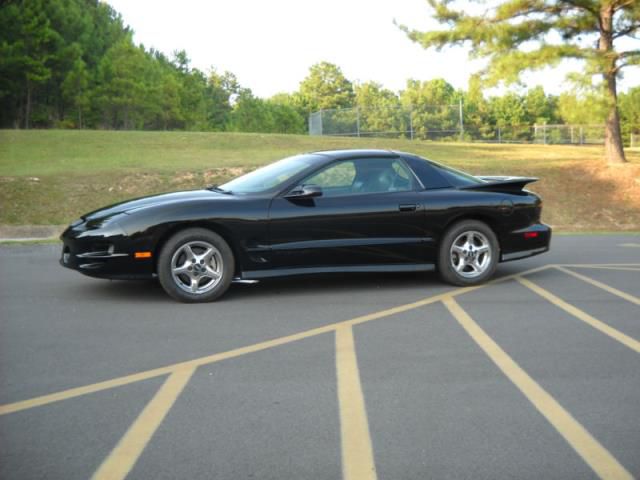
(411, 123)
(461, 120)
(358, 120)
(544, 132)
(315, 123)
(581, 136)
(499, 135)
(571, 134)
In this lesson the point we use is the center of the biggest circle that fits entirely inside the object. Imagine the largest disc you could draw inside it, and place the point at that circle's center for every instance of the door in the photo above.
(368, 214)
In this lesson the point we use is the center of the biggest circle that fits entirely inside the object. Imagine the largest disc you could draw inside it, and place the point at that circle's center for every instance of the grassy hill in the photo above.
(52, 176)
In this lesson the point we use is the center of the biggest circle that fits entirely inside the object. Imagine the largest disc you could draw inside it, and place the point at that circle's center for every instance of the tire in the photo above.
(196, 265)
(468, 253)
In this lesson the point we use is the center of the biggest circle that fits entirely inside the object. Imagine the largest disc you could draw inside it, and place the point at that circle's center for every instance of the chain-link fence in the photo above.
(560, 134)
(635, 140)
(443, 122)
(568, 134)
(436, 122)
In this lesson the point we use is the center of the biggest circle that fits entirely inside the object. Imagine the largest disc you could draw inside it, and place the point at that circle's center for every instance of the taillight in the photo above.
(528, 235)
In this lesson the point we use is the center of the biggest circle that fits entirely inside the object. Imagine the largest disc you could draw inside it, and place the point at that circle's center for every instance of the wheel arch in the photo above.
(490, 221)
(214, 227)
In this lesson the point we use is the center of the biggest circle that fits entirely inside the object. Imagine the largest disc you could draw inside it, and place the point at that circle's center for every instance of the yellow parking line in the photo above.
(127, 379)
(599, 265)
(84, 390)
(126, 453)
(603, 286)
(217, 357)
(605, 267)
(603, 463)
(357, 452)
(581, 315)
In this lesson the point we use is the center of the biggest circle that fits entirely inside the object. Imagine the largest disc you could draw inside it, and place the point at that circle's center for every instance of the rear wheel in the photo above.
(468, 253)
(196, 265)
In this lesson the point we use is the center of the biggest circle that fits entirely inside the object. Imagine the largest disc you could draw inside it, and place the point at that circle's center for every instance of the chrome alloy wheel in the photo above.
(470, 254)
(196, 267)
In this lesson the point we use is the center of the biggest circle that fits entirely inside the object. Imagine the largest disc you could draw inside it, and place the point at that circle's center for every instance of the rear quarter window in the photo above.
(433, 175)
(456, 177)
(428, 176)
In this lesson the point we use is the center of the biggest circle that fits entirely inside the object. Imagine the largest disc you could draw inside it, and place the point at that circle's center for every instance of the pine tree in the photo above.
(520, 35)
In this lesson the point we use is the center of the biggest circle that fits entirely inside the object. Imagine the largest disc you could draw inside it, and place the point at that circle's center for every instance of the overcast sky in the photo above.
(270, 44)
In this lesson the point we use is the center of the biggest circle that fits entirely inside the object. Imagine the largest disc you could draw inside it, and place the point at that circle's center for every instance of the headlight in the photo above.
(113, 229)
(103, 227)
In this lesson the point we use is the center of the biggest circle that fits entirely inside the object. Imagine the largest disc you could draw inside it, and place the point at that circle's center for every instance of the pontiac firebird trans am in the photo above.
(334, 211)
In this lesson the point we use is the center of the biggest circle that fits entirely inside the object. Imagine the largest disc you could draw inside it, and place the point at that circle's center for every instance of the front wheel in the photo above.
(196, 265)
(468, 253)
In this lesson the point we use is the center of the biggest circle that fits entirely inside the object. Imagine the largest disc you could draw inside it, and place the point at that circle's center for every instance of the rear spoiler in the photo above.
(501, 184)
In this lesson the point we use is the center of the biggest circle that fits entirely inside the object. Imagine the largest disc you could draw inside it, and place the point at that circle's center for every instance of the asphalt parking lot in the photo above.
(534, 375)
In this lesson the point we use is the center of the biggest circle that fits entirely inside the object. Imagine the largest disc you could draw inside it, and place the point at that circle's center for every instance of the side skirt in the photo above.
(286, 272)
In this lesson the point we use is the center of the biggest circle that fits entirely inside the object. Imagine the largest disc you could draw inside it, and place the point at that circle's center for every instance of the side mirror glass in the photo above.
(305, 191)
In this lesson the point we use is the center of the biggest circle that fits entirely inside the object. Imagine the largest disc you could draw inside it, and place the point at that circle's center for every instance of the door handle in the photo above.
(407, 207)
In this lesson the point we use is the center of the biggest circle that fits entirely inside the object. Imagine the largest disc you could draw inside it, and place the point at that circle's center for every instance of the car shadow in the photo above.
(423, 284)
(328, 284)
(324, 284)
(124, 290)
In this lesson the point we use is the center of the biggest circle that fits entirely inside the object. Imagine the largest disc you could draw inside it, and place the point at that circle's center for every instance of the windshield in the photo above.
(270, 176)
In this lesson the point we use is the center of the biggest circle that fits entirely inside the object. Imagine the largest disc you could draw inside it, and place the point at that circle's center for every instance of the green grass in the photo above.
(49, 152)
(52, 176)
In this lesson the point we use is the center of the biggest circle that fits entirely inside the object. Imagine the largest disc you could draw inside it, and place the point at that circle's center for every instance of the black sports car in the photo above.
(335, 211)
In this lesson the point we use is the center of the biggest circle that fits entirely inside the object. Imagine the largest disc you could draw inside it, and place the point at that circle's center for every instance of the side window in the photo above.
(401, 172)
(338, 176)
(380, 175)
(363, 175)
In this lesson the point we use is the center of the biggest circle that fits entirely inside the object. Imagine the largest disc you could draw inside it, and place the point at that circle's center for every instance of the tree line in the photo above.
(74, 64)
(431, 106)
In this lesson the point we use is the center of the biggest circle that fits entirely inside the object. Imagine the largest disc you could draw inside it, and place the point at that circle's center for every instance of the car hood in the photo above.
(130, 206)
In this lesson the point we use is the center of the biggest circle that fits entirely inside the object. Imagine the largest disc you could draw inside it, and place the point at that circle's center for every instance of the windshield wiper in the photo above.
(216, 188)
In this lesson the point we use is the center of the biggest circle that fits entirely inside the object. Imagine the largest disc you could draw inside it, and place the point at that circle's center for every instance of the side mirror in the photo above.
(305, 191)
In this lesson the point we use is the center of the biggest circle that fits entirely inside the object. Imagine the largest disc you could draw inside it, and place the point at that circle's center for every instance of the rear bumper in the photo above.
(525, 242)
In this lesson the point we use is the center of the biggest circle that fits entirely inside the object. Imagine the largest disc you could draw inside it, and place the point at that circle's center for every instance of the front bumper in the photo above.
(104, 253)
(525, 242)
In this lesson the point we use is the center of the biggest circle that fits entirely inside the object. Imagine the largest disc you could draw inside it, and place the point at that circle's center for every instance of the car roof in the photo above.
(356, 153)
